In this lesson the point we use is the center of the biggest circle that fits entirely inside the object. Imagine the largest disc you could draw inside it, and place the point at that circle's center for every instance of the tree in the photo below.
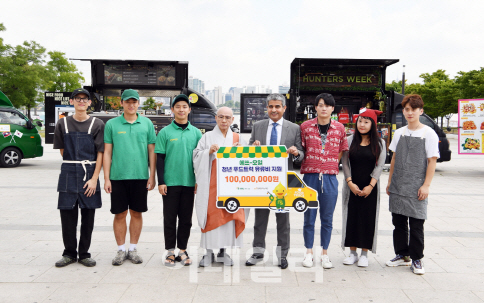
(237, 104)
(113, 103)
(471, 84)
(63, 75)
(150, 103)
(23, 75)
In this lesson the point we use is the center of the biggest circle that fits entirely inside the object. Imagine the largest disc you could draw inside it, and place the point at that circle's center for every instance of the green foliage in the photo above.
(471, 84)
(63, 75)
(150, 103)
(24, 75)
(113, 103)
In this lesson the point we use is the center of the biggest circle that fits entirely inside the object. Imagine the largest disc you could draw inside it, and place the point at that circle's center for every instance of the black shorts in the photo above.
(129, 194)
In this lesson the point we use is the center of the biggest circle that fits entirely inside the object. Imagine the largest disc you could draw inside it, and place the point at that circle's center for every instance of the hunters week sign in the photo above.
(346, 78)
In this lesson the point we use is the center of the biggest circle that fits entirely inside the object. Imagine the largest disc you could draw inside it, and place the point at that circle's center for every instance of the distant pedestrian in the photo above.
(80, 140)
(129, 147)
(415, 151)
(362, 167)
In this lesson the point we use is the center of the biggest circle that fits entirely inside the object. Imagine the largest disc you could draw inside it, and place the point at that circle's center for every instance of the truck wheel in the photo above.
(232, 205)
(300, 205)
(10, 157)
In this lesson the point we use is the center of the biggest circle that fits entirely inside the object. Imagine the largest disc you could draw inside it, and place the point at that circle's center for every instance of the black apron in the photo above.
(408, 176)
(79, 163)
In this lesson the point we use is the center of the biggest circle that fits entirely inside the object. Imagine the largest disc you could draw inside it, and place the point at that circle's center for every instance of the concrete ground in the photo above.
(31, 242)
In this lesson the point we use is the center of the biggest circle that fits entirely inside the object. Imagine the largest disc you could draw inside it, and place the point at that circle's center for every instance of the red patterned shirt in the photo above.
(315, 161)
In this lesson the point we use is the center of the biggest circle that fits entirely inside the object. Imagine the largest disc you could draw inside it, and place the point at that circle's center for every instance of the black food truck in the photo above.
(161, 80)
(354, 83)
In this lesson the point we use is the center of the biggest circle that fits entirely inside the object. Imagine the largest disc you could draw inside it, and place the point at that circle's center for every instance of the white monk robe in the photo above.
(224, 235)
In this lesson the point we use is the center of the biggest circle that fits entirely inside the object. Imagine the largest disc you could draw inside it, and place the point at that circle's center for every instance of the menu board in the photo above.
(252, 109)
(471, 126)
(162, 75)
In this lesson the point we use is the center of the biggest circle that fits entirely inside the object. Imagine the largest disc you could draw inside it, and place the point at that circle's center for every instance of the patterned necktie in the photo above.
(274, 134)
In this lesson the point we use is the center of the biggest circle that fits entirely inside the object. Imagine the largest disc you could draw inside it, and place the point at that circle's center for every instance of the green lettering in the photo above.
(323, 78)
(340, 79)
(335, 79)
(368, 79)
(305, 79)
(311, 78)
(363, 79)
(358, 79)
(351, 79)
(317, 78)
(329, 79)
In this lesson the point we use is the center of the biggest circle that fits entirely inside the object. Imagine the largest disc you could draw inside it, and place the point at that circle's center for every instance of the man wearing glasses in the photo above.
(220, 229)
(275, 131)
(80, 139)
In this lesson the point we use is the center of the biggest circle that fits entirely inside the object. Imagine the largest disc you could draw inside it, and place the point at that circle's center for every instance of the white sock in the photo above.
(132, 247)
(121, 247)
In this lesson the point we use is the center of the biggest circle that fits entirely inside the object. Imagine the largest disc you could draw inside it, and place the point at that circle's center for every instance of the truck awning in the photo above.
(4, 100)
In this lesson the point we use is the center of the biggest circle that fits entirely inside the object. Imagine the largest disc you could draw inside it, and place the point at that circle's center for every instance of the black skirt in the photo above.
(360, 224)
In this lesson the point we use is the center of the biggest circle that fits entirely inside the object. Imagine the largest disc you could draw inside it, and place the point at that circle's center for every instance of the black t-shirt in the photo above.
(97, 131)
(323, 132)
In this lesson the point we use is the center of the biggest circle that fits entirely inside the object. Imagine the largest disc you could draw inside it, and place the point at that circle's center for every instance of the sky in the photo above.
(253, 42)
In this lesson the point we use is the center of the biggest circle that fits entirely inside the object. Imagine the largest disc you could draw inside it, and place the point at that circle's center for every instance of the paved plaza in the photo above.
(31, 242)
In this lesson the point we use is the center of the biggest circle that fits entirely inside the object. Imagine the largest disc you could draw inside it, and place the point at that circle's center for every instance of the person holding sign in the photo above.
(220, 229)
(176, 179)
(415, 151)
(80, 140)
(362, 166)
(324, 141)
(275, 131)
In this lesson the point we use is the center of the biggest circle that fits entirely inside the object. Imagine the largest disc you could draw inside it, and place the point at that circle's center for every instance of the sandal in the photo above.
(184, 261)
(169, 261)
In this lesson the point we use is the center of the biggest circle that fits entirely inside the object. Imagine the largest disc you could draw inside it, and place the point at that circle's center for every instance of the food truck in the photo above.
(19, 138)
(257, 177)
(354, 83)
(161, 80)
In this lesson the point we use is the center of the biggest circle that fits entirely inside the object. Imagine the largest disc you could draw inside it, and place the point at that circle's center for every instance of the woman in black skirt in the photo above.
(362, 166)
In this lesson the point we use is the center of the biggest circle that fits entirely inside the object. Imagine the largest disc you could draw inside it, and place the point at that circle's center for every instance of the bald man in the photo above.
(220, 229)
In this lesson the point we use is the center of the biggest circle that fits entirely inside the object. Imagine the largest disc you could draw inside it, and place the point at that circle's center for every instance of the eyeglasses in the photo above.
(79, 99)
(221, 117)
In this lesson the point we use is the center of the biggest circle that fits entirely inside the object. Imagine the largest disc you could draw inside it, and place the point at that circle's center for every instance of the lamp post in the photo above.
(403, 81)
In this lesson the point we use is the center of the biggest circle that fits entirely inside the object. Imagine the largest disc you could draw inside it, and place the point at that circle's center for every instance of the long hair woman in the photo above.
(362, 166)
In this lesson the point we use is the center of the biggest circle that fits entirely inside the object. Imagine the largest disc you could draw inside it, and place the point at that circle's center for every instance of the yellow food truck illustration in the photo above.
(257, 177)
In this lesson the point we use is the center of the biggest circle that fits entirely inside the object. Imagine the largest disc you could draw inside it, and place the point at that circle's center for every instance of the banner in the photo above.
(257, 177)
(471, 126)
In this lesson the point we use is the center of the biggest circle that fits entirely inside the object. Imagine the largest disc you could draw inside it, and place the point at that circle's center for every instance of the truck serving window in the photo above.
(293, 181)
(204, 118)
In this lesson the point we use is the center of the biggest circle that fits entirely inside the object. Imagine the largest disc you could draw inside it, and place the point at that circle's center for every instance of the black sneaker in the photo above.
(87, 262)
(66, 260)
(254, 259)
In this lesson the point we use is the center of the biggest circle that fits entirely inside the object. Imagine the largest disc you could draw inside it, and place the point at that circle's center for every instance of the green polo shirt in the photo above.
(130, 147)
(178, 144)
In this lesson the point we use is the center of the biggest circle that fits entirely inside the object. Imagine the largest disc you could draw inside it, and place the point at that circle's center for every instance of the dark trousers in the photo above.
(260, 230)
(177, 203)
(69, 218)
(413, 248)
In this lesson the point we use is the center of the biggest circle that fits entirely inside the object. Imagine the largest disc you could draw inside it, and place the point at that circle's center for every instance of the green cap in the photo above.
(129, 94)
(181, 97)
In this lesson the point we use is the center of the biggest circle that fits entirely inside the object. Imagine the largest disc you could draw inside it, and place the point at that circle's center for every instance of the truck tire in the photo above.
(10, 157)
(232, 205)
(300, 205)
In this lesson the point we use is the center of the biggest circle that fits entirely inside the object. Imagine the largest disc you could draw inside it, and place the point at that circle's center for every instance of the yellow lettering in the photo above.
(176, 139)
(317, 78)
(340, 79)
(368, 79)
(335, 79)
(121, 132)
(358, 79)
(323, 78)
(351, 79)
(311, 78)
(330, 79)
(305, 79)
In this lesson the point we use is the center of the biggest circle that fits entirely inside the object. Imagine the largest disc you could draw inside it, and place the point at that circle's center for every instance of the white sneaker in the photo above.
(363, 261)
(417, 267)
(350, 260)
(308, 260)
(325, 262)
